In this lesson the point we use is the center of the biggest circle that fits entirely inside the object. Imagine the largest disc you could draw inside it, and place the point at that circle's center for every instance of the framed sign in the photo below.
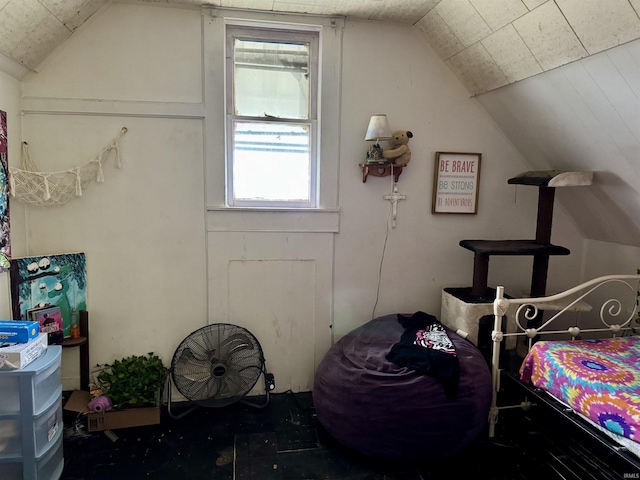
(455, 182)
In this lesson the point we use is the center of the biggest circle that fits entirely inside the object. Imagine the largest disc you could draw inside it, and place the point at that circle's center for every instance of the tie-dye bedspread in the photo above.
(598, 378)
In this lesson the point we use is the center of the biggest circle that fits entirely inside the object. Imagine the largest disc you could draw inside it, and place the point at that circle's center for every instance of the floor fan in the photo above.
(218, 365)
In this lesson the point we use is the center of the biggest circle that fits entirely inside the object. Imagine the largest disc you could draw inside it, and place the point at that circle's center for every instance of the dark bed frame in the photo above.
(572, 447)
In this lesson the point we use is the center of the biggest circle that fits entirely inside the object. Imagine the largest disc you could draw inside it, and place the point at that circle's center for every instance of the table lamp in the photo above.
(377, 130)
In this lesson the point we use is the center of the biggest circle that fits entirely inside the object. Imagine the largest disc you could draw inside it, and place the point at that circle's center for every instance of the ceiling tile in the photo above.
(16, 19)
(3, 3)
(355, 8)
(256, 4)
(401, 10)
(298, 7)
(477, 70)
(350, 8)
(636, 5)
(465, 22)
(215, 3)
(84, 13)
(390, 10)
(73, 13)
(439, 35)
(549, 36)
(511, 54)
(312, 3)
(498, 14)
(601, 25)
(531, 4)
(42, 40)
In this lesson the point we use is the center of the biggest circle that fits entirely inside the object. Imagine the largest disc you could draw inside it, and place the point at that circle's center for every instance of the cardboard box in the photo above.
(19, 355)
(113, 419)
(18, 331)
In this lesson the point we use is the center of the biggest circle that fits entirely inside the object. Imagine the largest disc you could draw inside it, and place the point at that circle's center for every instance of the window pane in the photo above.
(271, 79)
(271, 161)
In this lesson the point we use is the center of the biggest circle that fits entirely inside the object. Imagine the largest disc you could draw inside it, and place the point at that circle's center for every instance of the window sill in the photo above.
(242, 219)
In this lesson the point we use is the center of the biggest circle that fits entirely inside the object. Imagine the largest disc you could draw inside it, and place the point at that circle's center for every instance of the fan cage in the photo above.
(217, 365)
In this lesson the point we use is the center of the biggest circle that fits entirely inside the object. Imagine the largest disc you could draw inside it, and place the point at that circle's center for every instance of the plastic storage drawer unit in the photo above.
(29, 390)
(47, 467)
(31, 420)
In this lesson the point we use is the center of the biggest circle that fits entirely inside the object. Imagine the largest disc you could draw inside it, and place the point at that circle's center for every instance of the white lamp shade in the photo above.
(378, 128)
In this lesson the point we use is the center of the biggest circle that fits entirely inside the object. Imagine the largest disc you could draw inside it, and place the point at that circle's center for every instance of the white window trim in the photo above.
(330, 52)
(281, 32)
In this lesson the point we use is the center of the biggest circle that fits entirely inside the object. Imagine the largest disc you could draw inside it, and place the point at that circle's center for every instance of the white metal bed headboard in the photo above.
(529, 308)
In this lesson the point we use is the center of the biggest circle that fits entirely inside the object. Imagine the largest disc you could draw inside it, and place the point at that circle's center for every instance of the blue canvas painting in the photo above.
(49, 280)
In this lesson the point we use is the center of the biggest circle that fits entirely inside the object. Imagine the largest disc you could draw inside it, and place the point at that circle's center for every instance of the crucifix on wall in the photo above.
(394, 197)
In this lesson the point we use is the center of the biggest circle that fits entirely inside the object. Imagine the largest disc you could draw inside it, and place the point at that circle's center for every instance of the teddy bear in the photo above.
(399, 152)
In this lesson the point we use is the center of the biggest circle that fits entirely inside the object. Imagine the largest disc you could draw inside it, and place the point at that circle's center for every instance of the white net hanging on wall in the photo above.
(44, 189)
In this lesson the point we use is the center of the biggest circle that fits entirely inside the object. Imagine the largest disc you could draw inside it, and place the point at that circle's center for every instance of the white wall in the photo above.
(606, 258)
(390, 69)
(155, 260)
(143, 229)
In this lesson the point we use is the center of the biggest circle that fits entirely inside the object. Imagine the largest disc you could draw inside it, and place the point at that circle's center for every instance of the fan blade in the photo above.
(192, 368)
(205, 390)
(201, 348)
(233, 343)
(233, 383)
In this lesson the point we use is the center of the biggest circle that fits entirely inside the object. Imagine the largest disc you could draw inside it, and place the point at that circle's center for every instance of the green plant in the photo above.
(133, 381)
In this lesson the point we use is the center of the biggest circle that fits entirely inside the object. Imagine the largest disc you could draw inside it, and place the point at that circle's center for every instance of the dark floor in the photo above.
(280, 442)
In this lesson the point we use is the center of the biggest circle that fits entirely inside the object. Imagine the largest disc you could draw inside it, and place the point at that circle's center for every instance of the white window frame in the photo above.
(276, 33)
(220, 217)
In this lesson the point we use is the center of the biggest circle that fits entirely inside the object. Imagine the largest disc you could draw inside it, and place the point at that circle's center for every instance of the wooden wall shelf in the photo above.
(380, 170)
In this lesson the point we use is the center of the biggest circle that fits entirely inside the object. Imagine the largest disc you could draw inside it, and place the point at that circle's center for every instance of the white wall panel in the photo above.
(142, 230)
(279, 287)
(600, 261)
(277, 298)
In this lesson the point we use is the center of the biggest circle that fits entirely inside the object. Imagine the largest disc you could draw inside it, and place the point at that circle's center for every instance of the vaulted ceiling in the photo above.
(487, 43)
(569, 72)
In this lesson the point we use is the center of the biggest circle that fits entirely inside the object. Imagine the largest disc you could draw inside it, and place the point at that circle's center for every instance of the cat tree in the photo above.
(463, 308)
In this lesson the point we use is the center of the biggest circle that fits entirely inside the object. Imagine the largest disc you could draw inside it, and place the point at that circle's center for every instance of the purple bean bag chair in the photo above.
(389, 412)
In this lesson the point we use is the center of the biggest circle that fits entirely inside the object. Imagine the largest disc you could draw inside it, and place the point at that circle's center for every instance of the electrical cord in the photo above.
(384, 249)
(77, 428)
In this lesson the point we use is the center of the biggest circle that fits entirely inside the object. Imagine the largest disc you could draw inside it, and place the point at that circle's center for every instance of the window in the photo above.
(272, 117)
